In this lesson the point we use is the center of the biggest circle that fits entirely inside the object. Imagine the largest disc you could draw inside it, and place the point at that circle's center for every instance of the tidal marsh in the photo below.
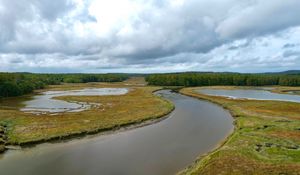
(136, 106)
(265, 141)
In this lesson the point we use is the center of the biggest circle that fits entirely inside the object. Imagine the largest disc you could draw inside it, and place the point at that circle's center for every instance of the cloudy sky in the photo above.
(149, 35)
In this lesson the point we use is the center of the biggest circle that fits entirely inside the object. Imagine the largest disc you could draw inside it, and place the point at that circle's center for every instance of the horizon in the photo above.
(139, 36)
(284, 71)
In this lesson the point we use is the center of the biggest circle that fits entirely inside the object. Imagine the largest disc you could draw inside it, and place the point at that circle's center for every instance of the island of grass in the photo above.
(265, 141)
(286, 90)
(135, 107)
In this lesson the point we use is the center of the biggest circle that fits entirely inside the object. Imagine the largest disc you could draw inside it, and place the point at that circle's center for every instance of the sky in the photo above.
(149, 36)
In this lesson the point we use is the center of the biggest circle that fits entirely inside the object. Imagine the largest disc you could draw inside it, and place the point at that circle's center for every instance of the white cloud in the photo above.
(131, 35)
(260, 17)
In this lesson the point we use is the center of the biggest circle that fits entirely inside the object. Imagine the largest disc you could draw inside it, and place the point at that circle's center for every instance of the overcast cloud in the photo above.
(149, 35)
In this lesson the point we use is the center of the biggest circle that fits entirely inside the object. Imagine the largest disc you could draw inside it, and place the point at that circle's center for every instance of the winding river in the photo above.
(194, 128)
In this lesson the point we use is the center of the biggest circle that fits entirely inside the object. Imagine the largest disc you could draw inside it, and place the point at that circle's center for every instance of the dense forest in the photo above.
(15, 84)
(210, 79)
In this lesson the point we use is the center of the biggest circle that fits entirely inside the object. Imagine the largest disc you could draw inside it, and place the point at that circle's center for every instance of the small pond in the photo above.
(45, 102)
(250, 94)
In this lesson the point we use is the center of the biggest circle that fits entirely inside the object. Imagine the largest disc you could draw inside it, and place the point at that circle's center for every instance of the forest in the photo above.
(16, 84)
(212, 79)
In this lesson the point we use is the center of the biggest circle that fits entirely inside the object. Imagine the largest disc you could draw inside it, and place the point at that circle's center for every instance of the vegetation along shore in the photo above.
(137, 106)
(265, 141)
(266, 138)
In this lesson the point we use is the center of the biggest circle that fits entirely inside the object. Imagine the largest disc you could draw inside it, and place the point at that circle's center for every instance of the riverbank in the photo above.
(3, 139)
(286, 90)
(151, 149)
(136, 108)
(265, 140)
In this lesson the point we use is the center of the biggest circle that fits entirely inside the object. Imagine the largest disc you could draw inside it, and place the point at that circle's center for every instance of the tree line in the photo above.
(211, 79)
(16, 84)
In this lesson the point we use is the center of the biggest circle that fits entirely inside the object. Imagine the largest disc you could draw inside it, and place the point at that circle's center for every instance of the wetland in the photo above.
(194, 128)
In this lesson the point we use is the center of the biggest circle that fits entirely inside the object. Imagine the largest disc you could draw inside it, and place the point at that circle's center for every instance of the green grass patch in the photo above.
(265, 141)
(115, 111)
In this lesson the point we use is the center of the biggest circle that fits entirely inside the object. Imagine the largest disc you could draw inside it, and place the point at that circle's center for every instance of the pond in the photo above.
(45, 101)
(250, 94)
(194, 128)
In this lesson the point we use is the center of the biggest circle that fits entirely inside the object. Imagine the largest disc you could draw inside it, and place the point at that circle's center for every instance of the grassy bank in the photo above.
(265, 141)
(2, 139)
(115, 111)
(286, 90)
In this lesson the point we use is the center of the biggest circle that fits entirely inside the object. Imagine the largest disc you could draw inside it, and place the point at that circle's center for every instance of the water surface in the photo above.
(251, 94)
(45, 101)
(194, 128)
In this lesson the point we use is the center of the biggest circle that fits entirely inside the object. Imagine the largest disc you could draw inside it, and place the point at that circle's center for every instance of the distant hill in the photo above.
(289, 72)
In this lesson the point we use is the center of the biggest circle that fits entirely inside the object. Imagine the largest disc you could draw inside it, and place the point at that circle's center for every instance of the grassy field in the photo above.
(265, 141)
(19, 128)
(287, 90)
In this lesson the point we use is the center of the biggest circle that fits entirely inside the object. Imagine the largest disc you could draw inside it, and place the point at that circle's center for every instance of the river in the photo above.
(194, 128)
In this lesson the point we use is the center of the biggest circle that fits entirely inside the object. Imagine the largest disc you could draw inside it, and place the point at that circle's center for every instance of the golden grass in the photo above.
(116, 111)
(286, 89)
(140, 81)
(265, 140)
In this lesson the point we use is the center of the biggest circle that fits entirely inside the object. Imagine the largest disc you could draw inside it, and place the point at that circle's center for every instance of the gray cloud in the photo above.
(260, 17)
(189, 34)
(289, 53)
(290, 45)
(53, 9)
(15, 14)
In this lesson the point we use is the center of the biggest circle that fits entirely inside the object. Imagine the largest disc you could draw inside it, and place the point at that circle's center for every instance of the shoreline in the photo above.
(100, 131)
(126, 127)
(216, 144)
(254, 135)
(205, 157)
(96, 133)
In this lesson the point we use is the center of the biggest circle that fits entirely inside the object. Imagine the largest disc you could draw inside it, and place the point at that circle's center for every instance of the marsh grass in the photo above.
(138, 105)
(286, 90)
(265, 141)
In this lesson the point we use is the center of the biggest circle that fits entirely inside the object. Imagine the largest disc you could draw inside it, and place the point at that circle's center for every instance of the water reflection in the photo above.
(251, 94)
(44, 103)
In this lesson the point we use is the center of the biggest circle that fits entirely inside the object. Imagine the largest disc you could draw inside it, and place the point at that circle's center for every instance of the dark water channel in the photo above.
(194, 128)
